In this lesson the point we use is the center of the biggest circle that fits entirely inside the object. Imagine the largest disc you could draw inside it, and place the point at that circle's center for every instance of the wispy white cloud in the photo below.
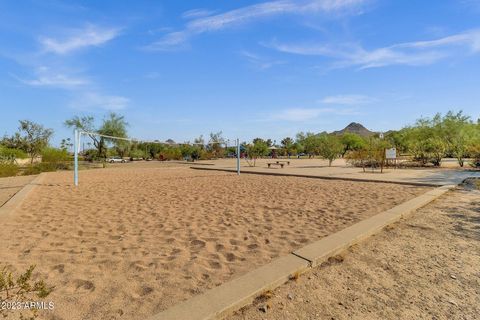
(250, 13)
(52, 68)
(469, 39)
(95, 100)
(171, 41)
(77, 39)
(409, 53)
(305, 114)
(259, 62)
(197, 13)
(347, 99)
(45, 77)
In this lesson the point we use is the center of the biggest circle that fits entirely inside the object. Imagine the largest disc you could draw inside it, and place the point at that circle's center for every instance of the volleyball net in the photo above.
(119, 149)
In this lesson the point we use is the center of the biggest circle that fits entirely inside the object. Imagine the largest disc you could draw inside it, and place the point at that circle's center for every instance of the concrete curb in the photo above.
(319, 251)
(233, 295)
(14, 202)
(420, 184)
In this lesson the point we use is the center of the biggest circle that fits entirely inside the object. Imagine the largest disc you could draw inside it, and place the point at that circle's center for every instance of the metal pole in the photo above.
(75, 157)
(238, 156)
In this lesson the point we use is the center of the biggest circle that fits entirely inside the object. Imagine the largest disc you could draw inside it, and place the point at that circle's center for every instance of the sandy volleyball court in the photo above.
(130, 242)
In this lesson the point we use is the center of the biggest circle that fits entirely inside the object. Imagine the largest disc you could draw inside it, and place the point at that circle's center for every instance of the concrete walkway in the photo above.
(11, 185)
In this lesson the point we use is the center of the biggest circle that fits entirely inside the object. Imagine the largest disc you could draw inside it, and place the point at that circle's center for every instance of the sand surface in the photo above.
(424, 267)
(132, 241)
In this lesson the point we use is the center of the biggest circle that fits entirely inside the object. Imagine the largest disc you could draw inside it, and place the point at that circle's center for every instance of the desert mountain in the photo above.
(357, 128)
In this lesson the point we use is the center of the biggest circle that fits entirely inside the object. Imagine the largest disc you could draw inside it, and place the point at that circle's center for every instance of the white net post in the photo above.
(238, 156)
(76, 145)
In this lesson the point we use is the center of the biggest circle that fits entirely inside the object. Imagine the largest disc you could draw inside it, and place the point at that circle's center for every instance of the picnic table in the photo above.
(277, 163)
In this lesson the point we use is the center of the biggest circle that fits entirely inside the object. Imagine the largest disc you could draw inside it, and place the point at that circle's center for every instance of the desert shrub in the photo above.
(12, 153)
(21, 289)
(8, 169)
(170, 153)
(54, 155)
(206, 155)
(372, 154)
(136, 154)
(38, 168)
(357, 158)
(91, 155)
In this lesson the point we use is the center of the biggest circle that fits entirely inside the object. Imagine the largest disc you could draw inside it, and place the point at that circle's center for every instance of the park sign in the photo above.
(391, 153)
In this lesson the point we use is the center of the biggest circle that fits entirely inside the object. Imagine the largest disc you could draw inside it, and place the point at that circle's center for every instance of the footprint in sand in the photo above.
(197, 244)
(176, 251)
(59, 267)
(79, 286)
(230, 257)
(144, 290)
(215, 264)
(138, 266)
(234, 242)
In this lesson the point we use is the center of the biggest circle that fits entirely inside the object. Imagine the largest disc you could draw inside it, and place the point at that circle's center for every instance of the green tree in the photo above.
(200, 141)
(398, 140)
(329, 147)
(310, 143)
(473, 146)
(66, 144)
(87, 124)
(457, 130)
(257, 149)
(425, 140)
(216, 143)
(32, 138)
(112, 125)
(351, 141)
(288, 145)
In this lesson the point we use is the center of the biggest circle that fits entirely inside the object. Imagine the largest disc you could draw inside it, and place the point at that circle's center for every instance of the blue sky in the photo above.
(178, 69)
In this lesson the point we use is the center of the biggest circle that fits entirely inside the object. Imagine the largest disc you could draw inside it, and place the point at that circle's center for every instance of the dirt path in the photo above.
(425, 267)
